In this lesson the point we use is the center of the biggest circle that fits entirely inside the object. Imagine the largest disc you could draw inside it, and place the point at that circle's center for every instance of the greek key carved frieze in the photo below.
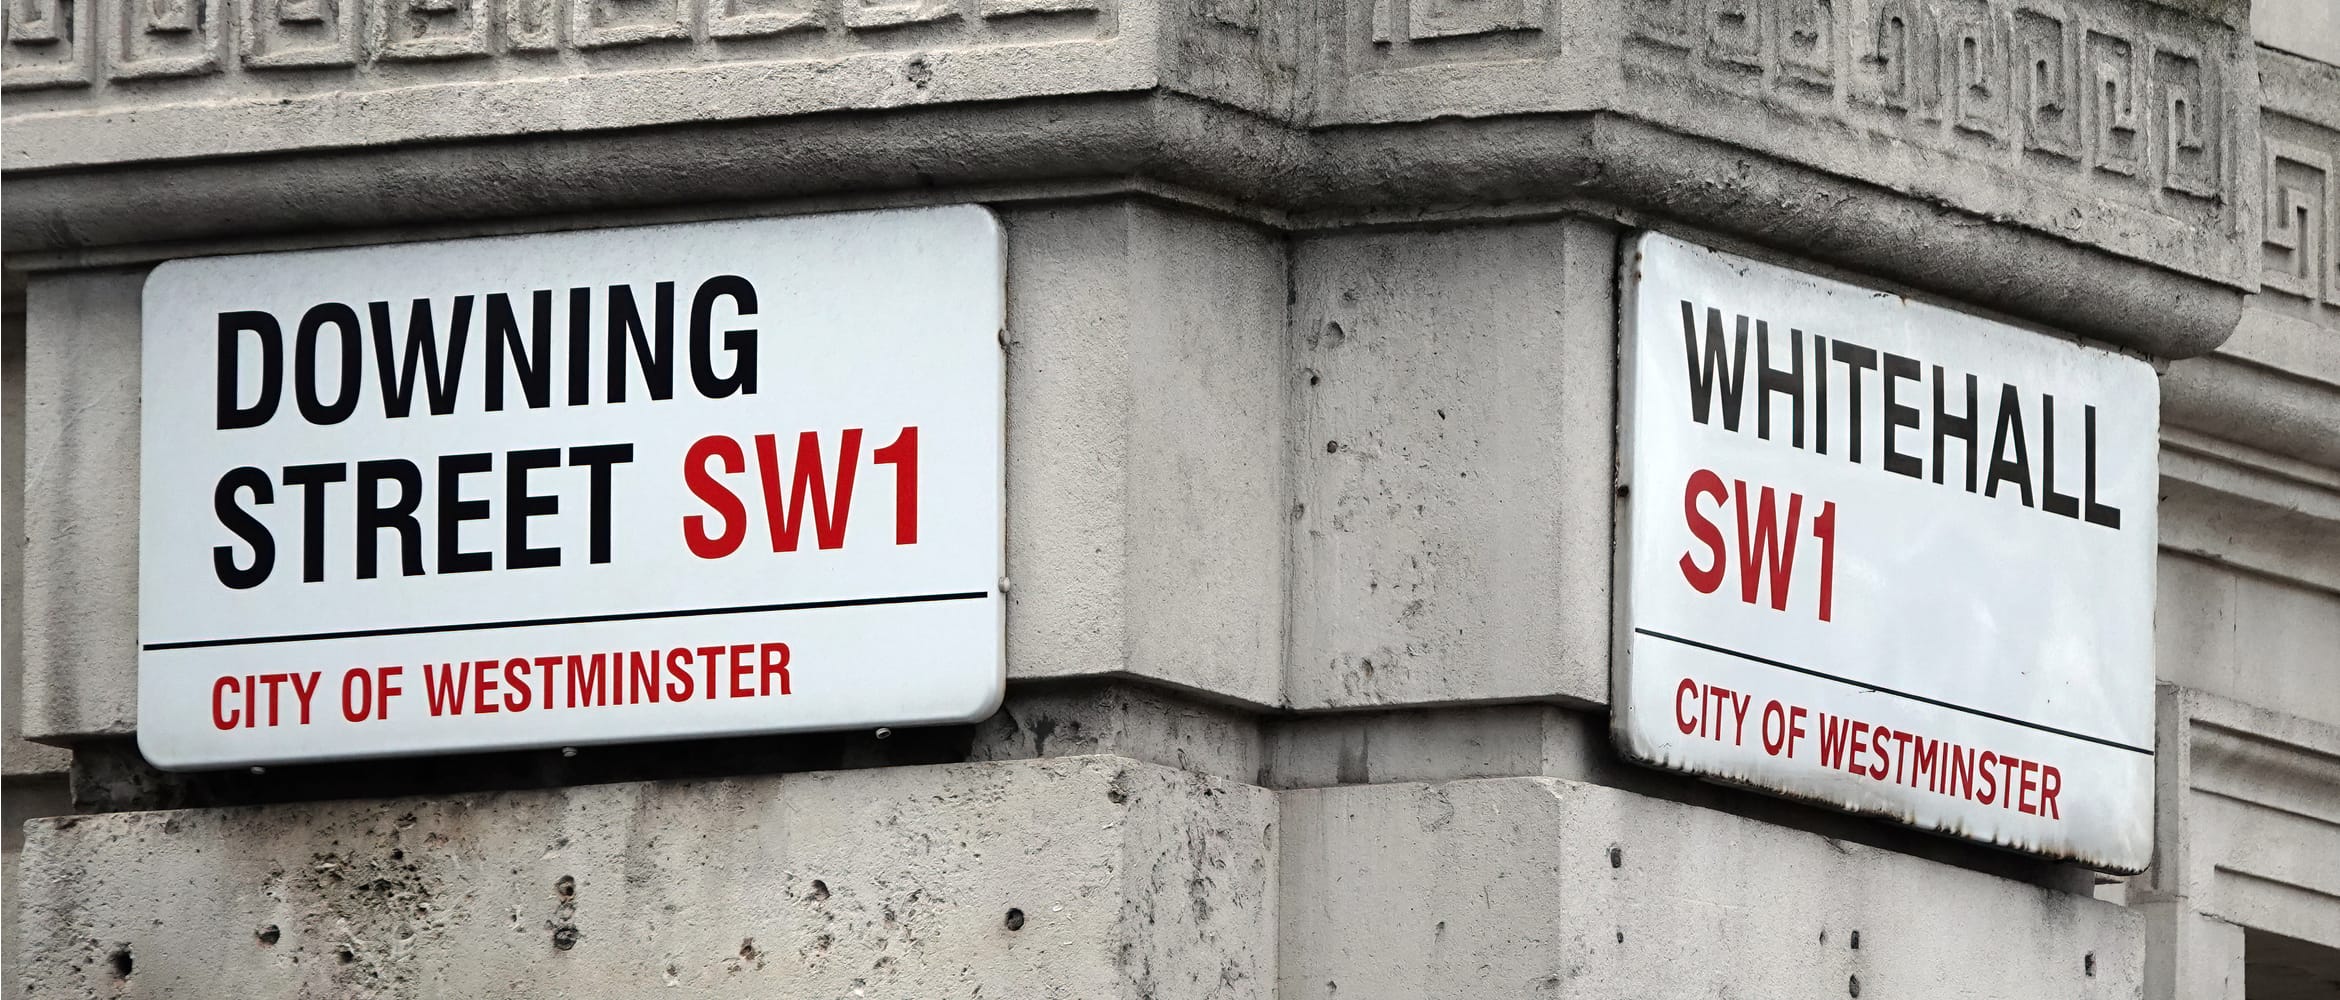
(54, 44)
(50, 44)
(2301, 230)
(2130, 97)
(1406, 21)
(165, 38)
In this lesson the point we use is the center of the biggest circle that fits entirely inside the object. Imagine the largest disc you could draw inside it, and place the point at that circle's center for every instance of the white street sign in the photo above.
(591, 487)
(1886, 557)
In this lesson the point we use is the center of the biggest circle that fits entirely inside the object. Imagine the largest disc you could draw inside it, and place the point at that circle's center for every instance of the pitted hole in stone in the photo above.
(1015, 919)
(121, 962)
(565, 938)
(268, 936)
(820, 891)
(1620, 937)
(1331, 446)
(566, 887)
(1855, 986)
(347, 956)
(1856, 940)
(1616, 857)
(2088, 964)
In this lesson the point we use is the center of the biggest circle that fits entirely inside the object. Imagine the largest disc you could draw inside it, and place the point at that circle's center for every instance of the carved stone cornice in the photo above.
(2086, 163)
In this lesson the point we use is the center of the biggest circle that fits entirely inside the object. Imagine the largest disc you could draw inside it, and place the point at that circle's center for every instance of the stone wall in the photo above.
(1310, 452)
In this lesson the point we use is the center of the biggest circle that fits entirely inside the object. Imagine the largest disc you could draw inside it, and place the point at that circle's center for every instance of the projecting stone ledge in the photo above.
(1535, 886)
(2090, 164)
(1098, 876)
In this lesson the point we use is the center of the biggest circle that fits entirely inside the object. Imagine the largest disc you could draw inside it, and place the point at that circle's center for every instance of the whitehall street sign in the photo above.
(1886, 557)
(590, 487)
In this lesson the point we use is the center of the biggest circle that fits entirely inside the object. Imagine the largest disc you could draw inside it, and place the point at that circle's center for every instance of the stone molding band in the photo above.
(1595, 162)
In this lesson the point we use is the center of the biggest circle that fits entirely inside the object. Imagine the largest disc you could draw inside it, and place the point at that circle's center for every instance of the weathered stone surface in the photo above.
(1453, 453)
(1146, 398)
(2299, 173)
(310, 76)
(2245, 821)
(2274, 515)
(2116, 124)
(2094, 135)
(1599, 162)
(22, 797)
(2119, 124)
(2218, 628)
(18, 756)
(1354, 748)
(2307, 27)
(2191, 956)
(1125, 719)
(80, 554)
(1070, 877)
(1526, 886)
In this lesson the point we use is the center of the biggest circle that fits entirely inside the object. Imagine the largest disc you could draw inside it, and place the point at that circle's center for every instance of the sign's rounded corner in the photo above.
(160, 758)
(164, 273)
(1623, 739)
(987, 703)
(974, 214)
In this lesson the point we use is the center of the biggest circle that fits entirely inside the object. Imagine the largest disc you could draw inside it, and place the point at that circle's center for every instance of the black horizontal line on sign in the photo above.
(1866, 686)
(622, 616)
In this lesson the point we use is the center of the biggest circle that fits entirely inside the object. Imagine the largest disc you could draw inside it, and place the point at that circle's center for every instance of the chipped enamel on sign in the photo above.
(592, 487)
(1840, 588)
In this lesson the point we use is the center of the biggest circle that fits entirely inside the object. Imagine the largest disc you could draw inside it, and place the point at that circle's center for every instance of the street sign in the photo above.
(590, 487)
(1885, 556)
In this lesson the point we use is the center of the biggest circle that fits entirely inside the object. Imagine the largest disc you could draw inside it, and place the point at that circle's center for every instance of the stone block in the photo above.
(1125, 719)
(2191, 956)
(18, 756)
(1453, 459)
(2218, 629)
(1535, 886)
(2309, 28)
(80, 555)
(1069, 877)
(2245, 822)
(1146, 400)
